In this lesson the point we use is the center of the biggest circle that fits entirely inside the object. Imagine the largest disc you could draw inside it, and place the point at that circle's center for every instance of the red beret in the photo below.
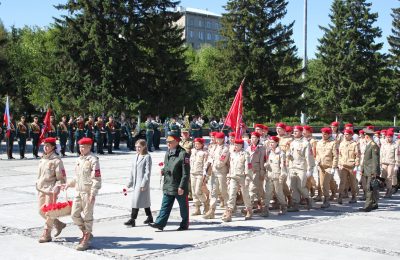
(219, 135)
(391, 129)
(233, 134)
(212, 133)
(384, 131)
(335, 124)
(265, 127)
(361, 132)
(199, 140)
(239, 141)
(281, 125)
(259, 126)
(288, 128)
(348, 125)
(85, 140)
(326, 130)
(348, 131)
(50, 140)
(298, 127)
(389, 133)
(256, 134)
(275, 139)
(377, 132)
(370, 127)
(308, 128)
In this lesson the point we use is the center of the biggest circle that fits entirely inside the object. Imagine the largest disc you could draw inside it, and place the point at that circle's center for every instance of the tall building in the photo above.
(200, 26)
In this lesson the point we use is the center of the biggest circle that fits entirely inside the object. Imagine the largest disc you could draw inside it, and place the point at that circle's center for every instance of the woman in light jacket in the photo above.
(140, 182)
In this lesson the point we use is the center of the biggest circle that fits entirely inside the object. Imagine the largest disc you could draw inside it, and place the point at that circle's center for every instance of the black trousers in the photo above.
(135, 212)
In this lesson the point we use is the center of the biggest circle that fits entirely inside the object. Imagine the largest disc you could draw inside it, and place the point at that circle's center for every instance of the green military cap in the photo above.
(368, 131)
(184, 130)
(173, 136)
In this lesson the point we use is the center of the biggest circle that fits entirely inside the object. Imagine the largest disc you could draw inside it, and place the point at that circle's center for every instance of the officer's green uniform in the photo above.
(156, 136)
(117, 139)
(100, 133)
(149, 134)
(110, 128)
(62, 133)
(79, 134)
(71, 136)
(176, 175)
(370, 169)
(22, 135)
(195, 129)
(89, 133)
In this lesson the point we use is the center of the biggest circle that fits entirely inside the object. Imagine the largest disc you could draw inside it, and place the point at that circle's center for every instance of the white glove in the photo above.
(204, 173)
(333, 171)
(336, 171)
(396, 168)
(309, 173)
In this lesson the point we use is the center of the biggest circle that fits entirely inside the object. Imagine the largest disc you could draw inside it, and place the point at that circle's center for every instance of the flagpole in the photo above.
(241, 84)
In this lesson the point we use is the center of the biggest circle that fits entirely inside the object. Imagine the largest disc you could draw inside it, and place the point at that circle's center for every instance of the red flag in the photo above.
(235, 115)
(6, 118)
(46, 126)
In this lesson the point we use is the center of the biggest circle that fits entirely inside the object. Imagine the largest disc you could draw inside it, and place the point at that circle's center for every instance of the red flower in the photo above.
(124, 190)
(161, 164)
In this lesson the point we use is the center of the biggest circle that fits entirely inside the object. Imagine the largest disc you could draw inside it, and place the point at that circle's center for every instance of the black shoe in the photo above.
(150, 151)
(110, 153)
(182, 228)
(101, 153)
(375, 207)
(130, 222)
(148, 220)
(365, 209)
(155, 225)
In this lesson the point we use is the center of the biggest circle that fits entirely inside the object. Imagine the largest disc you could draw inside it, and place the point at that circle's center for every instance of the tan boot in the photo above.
(222, 204)
(318, 198)
(206, 206)
(249, 214)
(46, 236)
(84, 244)
(197, 211)
(283, 210)
(227, 216)
(264, 212)
(294, 208)
(210, 214)
(59, 226)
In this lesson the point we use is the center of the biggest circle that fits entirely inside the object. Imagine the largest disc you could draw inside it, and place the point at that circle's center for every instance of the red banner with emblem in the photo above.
(234, 119)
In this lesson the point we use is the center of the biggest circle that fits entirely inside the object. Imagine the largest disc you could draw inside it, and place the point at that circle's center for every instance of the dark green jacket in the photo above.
(370, 163)
(176, 172)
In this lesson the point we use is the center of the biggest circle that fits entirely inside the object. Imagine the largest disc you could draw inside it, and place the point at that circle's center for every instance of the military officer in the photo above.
(10, 135)
(240, 169)
(89, 130)
(71, 134)
(100, 132)
(186, 142)
(22, 135)
(35, 134)
(276, 175)
(301, 163)
(219, 163)
(327, 162)
(349, 158)
(79, 132)
(369, 171)
(176, 173)
(87, 183)
(62, 133)
(110, 129)
(198, 167)
(389, 158)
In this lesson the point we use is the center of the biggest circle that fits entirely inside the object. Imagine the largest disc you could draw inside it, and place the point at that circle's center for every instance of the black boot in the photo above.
(130, 222)
(134, 214)
(148, 220)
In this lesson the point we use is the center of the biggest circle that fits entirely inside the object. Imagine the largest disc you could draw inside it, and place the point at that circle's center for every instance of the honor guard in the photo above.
(117, 137)
(22, 135)
(35, 134)
(89, 131)
(195, 128)
(10, 135)
(52, 132)
(71, 134)
(175, 127)
(62, 131)
(110, 128)
(149, 132)
(100, 131)
(79, 132)
(214, 126)
(157, 133)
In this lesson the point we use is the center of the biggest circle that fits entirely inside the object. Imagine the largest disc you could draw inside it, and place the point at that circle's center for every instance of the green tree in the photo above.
(258, 46)
(348, 83)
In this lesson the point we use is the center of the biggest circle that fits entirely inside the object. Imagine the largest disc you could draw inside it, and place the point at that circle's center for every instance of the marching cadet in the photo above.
(35, 134)
(71, 134)
(186, 142)
(389, 156)
(157, 133)
(257, 160)
(62, 130)
(219, 160)
(311, 183)
(198, 168)
(79, 132)
(349, 158)
(100, 132)
(10, 135)
(263, 131)
(337, 136)
(289, 130)
(301, 163)
(87, 183)
(284, 145)
(89, 130)
(240, 169)
(110, 129)
(232, 137)
(276, 175)
(51, 174)
(52, 130)
(369, 171)
(377, 138)
(149, 132)
(327, 163)
(22, 135)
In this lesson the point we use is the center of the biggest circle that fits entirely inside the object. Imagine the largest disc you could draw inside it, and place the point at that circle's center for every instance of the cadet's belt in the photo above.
(195, 129)
(22, 132)
(36, 132)
(151, 130)
(64, 131)
(174, 131)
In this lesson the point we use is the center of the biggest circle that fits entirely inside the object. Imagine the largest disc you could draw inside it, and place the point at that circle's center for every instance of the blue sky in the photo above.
(40, 13)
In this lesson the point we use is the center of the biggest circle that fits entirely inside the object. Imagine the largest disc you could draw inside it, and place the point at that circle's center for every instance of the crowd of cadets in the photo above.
(290, 169)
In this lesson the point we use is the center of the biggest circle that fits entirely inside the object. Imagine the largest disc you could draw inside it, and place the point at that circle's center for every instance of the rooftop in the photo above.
(197, 11)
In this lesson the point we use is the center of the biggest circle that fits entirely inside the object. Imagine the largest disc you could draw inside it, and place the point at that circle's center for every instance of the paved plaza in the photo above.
(340, 232)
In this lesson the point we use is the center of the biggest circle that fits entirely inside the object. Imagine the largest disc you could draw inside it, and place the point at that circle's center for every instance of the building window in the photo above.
(190, 34)
(216, 37)
(200, 23)
(216, 26)
(208, 24)
(209, 36)
(201, 35)
(191, 21)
